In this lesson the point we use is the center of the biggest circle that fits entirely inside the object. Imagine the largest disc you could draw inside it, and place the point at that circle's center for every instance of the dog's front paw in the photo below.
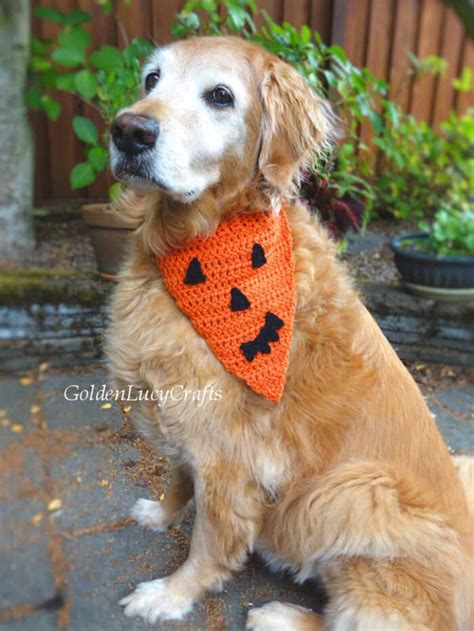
(156, 600)
(151, 515)
(277, 616)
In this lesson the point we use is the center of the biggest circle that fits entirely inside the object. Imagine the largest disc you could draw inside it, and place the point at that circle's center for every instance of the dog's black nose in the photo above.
(133, 133)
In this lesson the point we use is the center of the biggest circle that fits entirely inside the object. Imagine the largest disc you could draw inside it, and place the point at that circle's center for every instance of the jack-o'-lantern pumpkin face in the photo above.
(237, 288)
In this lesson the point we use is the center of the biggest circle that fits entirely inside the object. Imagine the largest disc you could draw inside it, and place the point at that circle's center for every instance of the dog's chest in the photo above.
(153, 346)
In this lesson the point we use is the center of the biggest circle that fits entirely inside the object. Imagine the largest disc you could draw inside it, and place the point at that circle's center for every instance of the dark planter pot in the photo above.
(109, 236)
(439, 278)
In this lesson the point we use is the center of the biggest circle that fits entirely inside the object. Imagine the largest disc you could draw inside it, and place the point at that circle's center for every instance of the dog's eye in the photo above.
(151, 80)
(220, 96)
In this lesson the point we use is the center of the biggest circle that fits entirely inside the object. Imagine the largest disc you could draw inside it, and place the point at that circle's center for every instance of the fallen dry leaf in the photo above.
(36, 519)
(106, 406)
(447, 372)
(104, 483)
(162, 497)
(420, 366)
(17, 428)
(127, 409)
(26, 381)
(54, 504)
(5, 422)
(34, 409)
(3, 413)
(44, 366)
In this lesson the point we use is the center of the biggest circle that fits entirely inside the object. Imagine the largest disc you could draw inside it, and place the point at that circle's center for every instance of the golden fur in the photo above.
(347, 477)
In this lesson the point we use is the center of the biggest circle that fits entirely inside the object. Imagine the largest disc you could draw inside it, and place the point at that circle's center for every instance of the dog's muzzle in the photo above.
(133, 134)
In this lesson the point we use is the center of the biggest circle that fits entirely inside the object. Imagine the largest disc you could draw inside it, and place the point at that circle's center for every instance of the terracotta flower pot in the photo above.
(109, 237)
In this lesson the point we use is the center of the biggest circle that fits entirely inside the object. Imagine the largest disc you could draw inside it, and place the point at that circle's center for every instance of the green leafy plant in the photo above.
(420, 167)
(450, 230)
(451, 233)
(214, 17)
(106, 79)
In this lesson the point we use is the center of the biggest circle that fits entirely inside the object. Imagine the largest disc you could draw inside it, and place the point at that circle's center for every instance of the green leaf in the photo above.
(39, 64)
(85, 83)
(65, 81)
(48, 78)
(464, 82)
(114, 191)
(209, 5)
(136, 52)
(33, 97)
(75, 39)
(106, 6)
(85, 130)
(68, 57)
(48, 13)
(77, 17)
(50, 107)
(82, 175)
(40, 47)
(98, 157)
(178, 31)
(106, 58)
(305, 34)
(190, 23)
(376, 120)
(338, 52)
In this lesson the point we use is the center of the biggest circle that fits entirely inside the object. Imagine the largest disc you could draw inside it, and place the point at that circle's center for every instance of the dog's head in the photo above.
(217, 112)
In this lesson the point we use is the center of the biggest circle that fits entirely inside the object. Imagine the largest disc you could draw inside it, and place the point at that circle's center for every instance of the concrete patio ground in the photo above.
(71, 471)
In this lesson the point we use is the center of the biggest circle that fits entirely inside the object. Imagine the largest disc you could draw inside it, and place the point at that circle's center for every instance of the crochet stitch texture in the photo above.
(238, 289)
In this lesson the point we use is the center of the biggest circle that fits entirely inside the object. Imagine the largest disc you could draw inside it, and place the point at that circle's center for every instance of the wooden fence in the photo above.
(374, 33)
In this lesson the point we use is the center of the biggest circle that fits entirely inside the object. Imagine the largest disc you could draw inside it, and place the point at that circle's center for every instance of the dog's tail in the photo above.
(465, 469)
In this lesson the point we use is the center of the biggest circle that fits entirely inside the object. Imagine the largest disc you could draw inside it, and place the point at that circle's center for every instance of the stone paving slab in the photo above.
(26, 477)
(17, 522)
(25, 566)
(16, 401)
(460, 401)
(101, 555)
(37, 621)
(458, 433)
(106, 568)
(26, 575)
(93, 485)
(63, 414)
(453, 411)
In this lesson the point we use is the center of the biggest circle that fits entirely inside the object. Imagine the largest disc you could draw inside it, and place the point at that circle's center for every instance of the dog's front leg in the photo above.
(170, 510)
(229, 509)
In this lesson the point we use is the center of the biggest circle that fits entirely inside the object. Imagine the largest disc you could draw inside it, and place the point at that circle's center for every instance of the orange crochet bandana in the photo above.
(238, 289)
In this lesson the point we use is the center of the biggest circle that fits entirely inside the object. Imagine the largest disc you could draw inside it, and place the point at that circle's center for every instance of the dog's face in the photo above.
(215, 112)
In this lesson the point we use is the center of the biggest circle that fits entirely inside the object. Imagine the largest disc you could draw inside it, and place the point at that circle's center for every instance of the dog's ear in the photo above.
(296, 123)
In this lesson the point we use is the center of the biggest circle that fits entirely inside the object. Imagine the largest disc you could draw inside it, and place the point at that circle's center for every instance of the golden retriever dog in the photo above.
(346, 478)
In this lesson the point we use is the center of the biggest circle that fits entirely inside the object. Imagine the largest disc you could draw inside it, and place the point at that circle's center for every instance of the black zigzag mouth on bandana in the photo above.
(261, 344)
